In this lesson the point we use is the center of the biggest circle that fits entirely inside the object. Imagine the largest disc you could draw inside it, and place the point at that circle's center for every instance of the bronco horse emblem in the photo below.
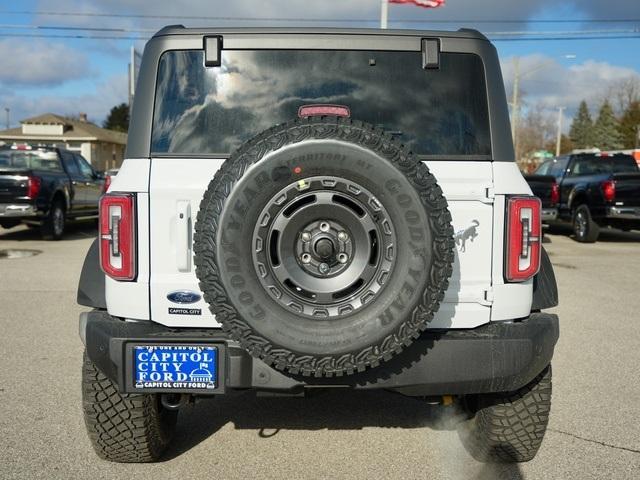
(469, 233)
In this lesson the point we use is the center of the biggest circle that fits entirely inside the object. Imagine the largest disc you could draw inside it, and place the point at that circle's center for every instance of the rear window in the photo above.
(202, 110)
(623, 164)
(596, 165)
(31, 159)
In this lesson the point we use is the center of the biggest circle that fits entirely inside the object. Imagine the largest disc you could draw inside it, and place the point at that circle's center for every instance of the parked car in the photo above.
(596, 190)
(546, 189)
(259, 238)
(45, 187)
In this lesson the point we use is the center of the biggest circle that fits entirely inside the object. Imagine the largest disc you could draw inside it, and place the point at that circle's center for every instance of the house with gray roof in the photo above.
(103, 148)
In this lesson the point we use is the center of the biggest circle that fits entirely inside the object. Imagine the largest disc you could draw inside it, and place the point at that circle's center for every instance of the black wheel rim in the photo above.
(58, 221)
(581, 224)
(324, 247)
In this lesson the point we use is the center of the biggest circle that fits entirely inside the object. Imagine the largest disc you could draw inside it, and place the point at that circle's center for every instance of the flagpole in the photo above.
(384, 13)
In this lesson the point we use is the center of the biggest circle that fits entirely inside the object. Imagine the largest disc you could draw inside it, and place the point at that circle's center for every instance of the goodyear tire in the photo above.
(323, 246)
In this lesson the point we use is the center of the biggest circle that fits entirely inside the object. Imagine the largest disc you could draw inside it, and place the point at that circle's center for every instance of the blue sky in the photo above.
(67, 76)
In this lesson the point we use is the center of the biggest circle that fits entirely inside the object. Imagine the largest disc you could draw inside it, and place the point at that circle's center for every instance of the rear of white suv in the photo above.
(320, 208)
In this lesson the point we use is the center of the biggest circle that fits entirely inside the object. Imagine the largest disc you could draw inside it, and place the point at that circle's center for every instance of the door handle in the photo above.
(183, 235)
(73, 182)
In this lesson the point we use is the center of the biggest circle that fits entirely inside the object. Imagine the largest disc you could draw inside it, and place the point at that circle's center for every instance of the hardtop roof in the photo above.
(467, 33)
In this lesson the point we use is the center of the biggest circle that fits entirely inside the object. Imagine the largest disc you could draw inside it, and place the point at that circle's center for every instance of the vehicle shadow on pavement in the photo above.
(320, 409)
(608, 235)
(74, 231)
(613, 235)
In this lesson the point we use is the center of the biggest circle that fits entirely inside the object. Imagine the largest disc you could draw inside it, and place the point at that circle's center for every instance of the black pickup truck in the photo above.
(45, 187)
(546, 189)
(596, 190)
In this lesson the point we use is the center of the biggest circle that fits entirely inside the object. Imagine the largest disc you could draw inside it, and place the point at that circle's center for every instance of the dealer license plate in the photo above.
(179, 367)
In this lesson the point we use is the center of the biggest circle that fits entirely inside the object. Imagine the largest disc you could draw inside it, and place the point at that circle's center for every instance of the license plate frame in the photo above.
(218, 378)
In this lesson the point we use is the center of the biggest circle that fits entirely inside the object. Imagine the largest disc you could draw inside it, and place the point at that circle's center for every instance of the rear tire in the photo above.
(55, 222)
(508, 427)
(584, 228)
(123, 427)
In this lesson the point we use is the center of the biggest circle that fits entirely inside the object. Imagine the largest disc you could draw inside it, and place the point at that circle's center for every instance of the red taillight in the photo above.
(609, 190)
(118, 236)
(107, 183)
(311, 110)
(555, 194)
(33, 187)
(524, 232)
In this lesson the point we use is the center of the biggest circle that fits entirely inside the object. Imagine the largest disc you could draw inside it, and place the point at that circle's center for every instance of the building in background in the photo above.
(103, 148)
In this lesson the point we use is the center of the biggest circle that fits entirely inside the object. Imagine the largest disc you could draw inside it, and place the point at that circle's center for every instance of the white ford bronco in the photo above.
(318, 208)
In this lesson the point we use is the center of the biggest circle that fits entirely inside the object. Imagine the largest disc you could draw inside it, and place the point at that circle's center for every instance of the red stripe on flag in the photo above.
(421, 3)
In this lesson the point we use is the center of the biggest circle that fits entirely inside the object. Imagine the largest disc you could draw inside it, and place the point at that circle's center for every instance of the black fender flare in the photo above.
(579, 192)
(91, 285)
(545, 288)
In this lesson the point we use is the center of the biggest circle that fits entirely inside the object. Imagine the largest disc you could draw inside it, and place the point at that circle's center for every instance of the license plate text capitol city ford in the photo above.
(175, 366)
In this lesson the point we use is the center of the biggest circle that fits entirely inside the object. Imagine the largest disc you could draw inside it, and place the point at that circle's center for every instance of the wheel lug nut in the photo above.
(306, 236)
(323, 268)
(324, 227)
(343, 257)
(342, 236)
(305, 258)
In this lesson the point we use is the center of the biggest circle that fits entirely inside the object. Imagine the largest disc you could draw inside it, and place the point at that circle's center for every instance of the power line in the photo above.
(13, 26)
(535, 39)
(300, 19)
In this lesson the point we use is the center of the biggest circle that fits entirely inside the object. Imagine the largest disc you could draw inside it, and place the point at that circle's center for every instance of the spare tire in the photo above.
(323, 246)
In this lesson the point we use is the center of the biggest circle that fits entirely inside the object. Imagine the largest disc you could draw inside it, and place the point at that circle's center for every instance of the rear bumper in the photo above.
(18, 210)
(497, 357)
(549, 214)
(623, 213)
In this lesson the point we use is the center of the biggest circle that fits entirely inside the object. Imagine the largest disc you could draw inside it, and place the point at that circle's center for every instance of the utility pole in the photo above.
(559, 137)
(384, 13)
(7, 111)
(514, 105)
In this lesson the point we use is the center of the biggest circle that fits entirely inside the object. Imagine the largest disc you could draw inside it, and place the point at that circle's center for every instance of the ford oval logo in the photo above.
(183, 296)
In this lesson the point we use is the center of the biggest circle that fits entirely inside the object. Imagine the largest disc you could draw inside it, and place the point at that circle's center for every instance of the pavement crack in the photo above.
(598, 442)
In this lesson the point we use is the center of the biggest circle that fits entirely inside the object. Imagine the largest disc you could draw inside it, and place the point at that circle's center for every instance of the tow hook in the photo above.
(173, 401)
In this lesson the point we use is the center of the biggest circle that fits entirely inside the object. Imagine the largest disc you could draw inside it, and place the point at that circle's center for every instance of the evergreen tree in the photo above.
(629, 125)
(606, 133)
(581, 132)
(118, 118)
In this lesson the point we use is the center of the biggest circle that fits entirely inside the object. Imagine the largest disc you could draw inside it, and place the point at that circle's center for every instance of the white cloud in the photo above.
(97, 104)
(544, 81)
(40, 63)
(325, 9)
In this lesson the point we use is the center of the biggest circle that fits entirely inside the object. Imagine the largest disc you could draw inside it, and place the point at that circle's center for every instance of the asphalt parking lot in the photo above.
(594, 430)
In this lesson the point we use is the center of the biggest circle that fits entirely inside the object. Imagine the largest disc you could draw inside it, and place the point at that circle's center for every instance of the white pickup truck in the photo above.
(318, 208)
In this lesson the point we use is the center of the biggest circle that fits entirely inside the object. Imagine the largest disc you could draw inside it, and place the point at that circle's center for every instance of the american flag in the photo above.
(421, 3)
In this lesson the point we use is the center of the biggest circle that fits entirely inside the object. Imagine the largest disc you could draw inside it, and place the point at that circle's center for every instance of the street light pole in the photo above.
(514, 105)
(515, 100)
(7, 111)
(559, 136)
(384, 13)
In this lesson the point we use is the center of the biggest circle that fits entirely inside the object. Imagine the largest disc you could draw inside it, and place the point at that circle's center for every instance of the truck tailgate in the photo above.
(627, 189)
(541, 186)
(13, 185)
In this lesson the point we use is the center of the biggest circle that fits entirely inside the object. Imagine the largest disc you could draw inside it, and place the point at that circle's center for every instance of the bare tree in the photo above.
(622, 93)
(537, 129)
